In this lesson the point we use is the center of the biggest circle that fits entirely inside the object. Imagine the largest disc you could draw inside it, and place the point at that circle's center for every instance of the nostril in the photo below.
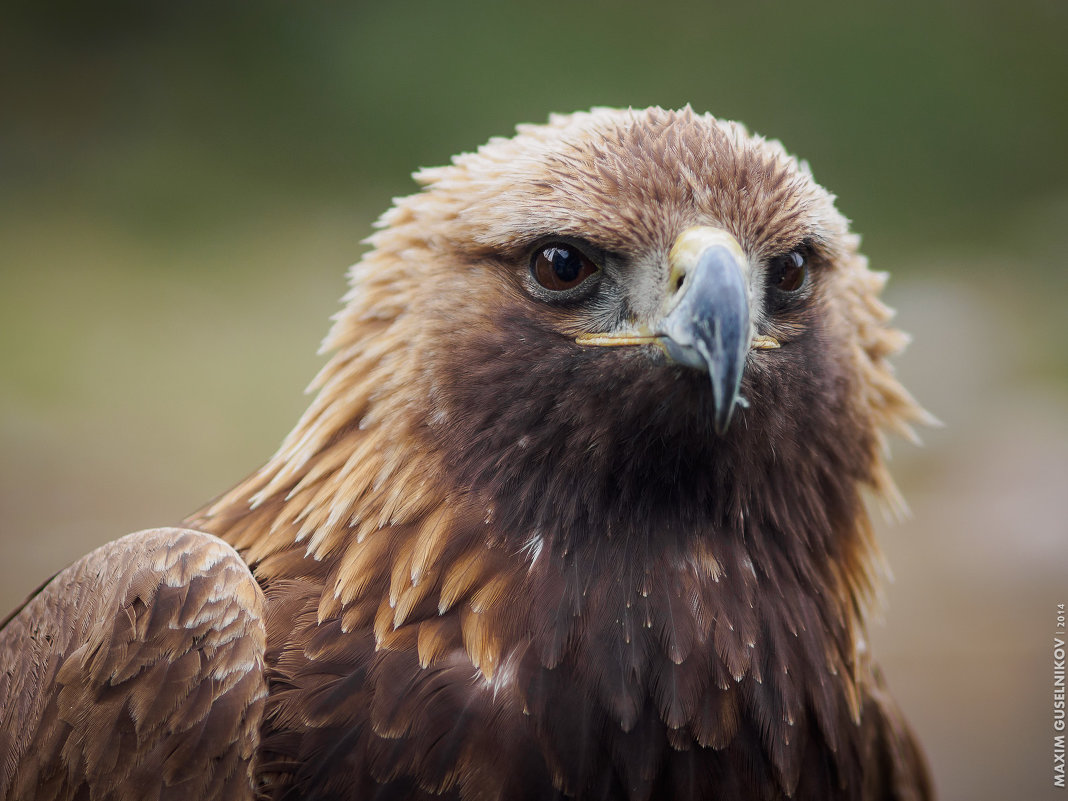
(678, 284)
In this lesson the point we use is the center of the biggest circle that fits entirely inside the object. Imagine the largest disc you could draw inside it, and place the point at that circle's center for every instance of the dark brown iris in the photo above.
(787, 273)
(560, 267)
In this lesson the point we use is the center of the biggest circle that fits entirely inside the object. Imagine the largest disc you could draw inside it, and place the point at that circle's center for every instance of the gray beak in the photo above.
(707, 325)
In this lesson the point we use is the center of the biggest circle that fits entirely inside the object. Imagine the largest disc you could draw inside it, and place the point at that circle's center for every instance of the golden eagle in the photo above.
(576, 513)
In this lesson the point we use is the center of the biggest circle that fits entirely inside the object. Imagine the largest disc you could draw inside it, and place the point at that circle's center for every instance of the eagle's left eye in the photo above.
(787, 273)
(560, 267)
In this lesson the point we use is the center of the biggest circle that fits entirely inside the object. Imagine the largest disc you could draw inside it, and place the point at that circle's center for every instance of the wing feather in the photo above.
(137, 672)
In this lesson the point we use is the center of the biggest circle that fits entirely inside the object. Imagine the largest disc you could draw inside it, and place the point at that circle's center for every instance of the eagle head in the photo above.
(622, 314)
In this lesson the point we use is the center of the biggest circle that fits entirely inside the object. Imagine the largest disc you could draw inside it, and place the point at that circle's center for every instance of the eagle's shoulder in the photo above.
(898, 768)
(137, 671)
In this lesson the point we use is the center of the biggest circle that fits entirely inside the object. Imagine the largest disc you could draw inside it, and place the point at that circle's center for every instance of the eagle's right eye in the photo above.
(559, 267)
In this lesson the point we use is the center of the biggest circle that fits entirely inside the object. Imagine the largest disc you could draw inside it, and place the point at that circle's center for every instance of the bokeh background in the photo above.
(182, 186)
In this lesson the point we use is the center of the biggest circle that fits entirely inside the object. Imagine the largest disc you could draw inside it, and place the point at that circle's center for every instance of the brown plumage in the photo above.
(521, 546)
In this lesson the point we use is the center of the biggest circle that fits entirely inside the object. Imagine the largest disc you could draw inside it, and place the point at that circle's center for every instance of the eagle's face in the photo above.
(623, 309)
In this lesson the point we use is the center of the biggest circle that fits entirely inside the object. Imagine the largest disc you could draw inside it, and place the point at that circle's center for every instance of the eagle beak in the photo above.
(706, 324)
(705, 320)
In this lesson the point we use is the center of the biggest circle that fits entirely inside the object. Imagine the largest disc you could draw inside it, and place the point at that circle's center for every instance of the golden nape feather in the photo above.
(576, 513)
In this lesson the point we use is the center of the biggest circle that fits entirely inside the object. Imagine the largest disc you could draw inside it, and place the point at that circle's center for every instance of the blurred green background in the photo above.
(183, 185)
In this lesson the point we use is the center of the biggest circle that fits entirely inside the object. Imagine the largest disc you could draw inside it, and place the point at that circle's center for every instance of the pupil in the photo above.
(566, 264)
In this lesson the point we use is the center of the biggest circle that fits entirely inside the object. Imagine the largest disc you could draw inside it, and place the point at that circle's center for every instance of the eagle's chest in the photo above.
(618, 708)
